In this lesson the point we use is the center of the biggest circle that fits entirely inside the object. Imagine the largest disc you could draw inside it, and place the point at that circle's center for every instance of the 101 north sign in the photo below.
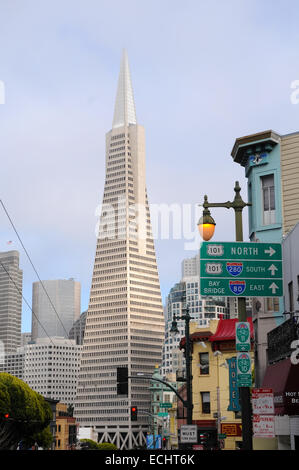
(241, 269)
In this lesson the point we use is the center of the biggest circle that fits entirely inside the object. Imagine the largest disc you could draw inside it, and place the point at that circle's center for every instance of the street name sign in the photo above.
(243, 269)
(166, 405)
(188, 433)
(243, 336)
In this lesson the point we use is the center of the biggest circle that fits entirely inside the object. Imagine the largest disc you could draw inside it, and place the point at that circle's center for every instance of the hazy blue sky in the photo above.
(203, 72)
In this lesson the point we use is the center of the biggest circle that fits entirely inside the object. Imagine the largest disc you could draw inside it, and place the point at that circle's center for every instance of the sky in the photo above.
(203, 74)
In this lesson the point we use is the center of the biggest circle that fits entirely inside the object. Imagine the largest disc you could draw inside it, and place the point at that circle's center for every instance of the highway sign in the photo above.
(241, 287)
(162, 414)
(244, 269)
(165, 405)
(244, 377)
(240, 251)
(188, 433)
(242, 336)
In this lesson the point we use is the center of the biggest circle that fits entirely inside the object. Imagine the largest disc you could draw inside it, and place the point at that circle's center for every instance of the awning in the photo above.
(283, 378)
(226, 329)
(196, 337)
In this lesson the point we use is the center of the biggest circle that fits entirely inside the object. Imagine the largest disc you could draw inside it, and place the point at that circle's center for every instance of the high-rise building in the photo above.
(124, 324)
(51, 367)
(191, 267)
(13, 363)
(55, 317)
(78, 329)
(11, 279)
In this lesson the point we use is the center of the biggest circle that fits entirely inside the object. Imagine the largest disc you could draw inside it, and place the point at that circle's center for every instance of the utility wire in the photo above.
(16, 232)
(25, 301)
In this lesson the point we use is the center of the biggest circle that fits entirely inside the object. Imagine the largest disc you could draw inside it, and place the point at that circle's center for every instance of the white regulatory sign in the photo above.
(188, 433)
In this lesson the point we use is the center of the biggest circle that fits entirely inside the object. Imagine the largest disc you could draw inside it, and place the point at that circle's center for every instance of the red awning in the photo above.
(283, 378)
(197, 336)
(226, 329)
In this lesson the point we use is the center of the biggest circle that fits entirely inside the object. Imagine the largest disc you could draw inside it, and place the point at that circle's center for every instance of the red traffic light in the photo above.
(133, 413)
(6, 416)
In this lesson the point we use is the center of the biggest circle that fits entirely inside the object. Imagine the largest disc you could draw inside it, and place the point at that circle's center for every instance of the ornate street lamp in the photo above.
(207, 232)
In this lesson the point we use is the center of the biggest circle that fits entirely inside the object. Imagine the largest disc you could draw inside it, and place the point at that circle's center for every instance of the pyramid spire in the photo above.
(124, 110)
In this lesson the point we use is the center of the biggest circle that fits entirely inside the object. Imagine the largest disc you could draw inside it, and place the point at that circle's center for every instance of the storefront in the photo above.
(283, 378)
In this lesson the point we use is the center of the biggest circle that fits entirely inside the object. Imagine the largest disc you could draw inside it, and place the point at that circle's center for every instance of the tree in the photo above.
(27, 412)
(88, 444)
(107, 446)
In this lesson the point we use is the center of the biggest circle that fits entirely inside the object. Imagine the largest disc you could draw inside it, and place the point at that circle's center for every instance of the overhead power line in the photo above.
(29, 258)
(19, 291)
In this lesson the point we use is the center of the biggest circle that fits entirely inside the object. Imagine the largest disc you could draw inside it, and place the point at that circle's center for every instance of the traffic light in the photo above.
(6, 415)
(164, 442)
(203, 439)
(133, 413)
(122, 381)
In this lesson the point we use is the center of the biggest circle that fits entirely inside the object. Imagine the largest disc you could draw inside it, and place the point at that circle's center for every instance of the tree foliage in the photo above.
(107, 446)
(89, 444)
(29, 413)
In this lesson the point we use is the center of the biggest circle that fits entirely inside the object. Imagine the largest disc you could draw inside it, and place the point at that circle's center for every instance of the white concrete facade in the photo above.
(51, 368)
(58, 314)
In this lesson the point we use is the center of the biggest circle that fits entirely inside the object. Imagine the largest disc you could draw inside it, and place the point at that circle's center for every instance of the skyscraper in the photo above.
(11, 279)
(125, 323)
(55, 317)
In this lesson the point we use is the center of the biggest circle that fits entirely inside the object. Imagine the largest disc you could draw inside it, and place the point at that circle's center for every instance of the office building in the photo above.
(51, 368)
(124, 324)
(11, 279)
(56, 305)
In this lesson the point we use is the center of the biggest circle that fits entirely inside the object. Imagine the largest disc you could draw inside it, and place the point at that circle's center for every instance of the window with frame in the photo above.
(268, 198)
(272, 304)
(205, 402)
(204, 363)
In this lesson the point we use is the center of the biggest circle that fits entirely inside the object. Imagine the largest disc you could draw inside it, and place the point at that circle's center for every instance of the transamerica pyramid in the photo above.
(125, 323)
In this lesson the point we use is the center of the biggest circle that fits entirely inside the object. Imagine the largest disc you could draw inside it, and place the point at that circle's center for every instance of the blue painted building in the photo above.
(271, 164)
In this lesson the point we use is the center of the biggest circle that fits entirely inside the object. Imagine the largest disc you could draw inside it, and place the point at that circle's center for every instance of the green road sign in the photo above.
(244, 269)
(240, 251)
(244, 377)
(241, 287)
(165, 405)
(162, 414)
(243, 336)
(221, 436)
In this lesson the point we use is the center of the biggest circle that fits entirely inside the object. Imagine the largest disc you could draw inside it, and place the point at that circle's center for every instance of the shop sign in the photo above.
(234, 404)
(231, 429)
